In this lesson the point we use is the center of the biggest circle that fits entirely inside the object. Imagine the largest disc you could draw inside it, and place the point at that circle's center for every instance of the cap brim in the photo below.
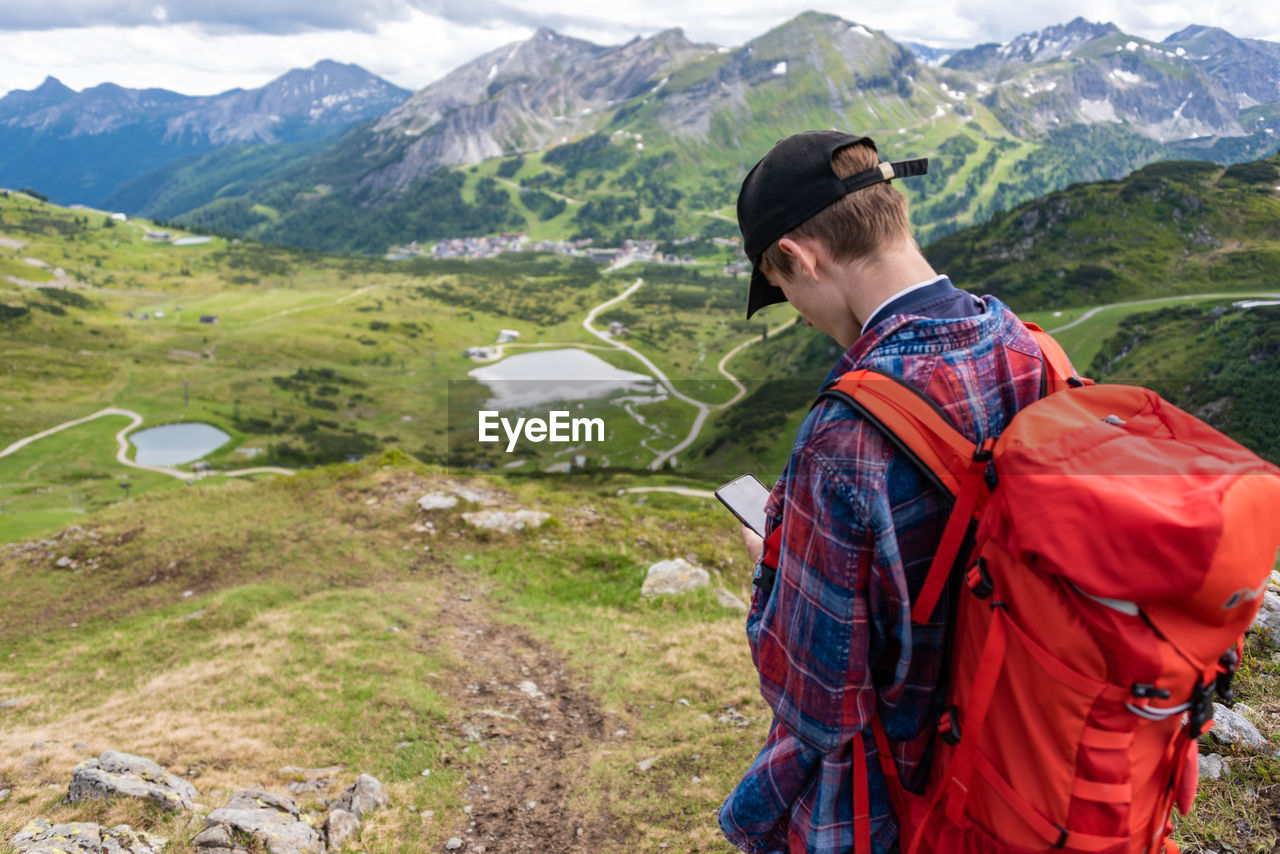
(762, 292)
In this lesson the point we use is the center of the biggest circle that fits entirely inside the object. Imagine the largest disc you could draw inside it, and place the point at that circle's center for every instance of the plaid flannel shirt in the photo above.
(834, 642)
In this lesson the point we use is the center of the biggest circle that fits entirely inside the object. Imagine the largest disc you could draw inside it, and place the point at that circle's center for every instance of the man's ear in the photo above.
(805, 254)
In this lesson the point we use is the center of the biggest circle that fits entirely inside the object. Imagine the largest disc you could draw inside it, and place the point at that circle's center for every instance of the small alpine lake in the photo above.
(171, 444)
(541, 377)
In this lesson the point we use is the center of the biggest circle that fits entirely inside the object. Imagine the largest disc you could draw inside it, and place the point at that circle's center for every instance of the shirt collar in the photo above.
(951, 334)
(872, 318)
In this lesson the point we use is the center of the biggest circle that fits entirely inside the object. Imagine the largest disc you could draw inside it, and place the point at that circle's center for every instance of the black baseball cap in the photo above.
(793, 182)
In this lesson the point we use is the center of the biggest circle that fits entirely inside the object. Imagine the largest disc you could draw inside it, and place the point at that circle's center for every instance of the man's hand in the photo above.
(755, 544)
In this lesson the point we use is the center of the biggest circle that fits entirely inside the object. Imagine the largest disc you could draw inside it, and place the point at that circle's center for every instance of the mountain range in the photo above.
(564, 138)
(80, 146)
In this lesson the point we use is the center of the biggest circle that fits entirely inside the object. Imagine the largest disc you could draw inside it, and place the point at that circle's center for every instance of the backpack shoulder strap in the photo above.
(920, 430)
(910, 420)
(1058, 372)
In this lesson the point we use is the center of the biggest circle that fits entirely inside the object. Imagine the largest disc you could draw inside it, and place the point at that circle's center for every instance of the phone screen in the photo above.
(745, 497)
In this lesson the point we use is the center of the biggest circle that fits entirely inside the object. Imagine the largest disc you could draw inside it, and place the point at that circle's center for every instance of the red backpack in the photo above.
(1114, 549)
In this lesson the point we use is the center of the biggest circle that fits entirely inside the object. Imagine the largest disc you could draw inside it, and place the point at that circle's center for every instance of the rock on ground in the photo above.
(44, 837)
(727, 599)
(1211, 766)
(474, 495)
(216, 836)
(674, 576)
(339, 827)
(437, 501)
(443, 499)
(273, 820)
(505, 521)
(1267, 623)
(363, 796)
(1233, 728)
(115, 774)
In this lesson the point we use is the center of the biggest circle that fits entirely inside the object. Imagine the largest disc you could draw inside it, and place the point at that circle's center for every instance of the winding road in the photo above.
(122, 449)
(678, 490)
(704, 409)
(1189, 297)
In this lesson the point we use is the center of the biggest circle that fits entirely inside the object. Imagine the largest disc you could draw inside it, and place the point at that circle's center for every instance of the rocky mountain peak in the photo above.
(526, 94)
(1051, 43)
(1054, 42)
(49, 93)
(1194, 31)
(52, 89)
(1249, 68)
(113, 104)
(851, 56)
(808, 27)
(672, 35)
(548, 43)
(324, 92)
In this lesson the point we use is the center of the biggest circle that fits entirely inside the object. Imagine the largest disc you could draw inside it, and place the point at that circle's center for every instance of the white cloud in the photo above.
(186, 59)
(207, 46)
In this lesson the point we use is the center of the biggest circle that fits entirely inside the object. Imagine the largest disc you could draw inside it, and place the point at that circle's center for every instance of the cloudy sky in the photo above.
(208, 46)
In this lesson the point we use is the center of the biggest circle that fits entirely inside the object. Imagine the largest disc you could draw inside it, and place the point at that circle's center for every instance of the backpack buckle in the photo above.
(1143, 691)
(949, 725)
(1227, 667)
(979, 580)
(1200, 711)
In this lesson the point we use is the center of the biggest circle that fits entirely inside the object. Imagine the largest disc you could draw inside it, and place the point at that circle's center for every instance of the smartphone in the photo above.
(745, 497)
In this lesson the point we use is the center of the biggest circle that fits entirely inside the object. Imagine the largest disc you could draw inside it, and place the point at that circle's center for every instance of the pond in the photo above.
(170, 444)
(547, 376)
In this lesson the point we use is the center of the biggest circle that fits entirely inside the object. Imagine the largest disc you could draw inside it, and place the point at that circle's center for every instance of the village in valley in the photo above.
(646, 251)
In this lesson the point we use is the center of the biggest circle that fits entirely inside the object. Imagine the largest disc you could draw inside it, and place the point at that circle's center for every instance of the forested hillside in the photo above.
(1172, 227)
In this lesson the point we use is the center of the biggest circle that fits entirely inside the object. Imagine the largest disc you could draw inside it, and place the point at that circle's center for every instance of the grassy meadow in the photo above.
(241, 628)
(312, 359)
(308, 621)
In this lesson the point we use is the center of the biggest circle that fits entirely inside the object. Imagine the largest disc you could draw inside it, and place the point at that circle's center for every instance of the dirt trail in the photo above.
(538, 725)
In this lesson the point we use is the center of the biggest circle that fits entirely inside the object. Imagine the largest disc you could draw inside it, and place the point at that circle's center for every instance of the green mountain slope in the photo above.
(1220, 363)
(1174, 227)
(305, 359)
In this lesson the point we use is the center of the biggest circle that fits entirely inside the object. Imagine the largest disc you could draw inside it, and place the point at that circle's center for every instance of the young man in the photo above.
(830, 626)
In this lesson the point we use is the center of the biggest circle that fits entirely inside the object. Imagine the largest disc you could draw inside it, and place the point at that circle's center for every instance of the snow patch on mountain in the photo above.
(1098, 111)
